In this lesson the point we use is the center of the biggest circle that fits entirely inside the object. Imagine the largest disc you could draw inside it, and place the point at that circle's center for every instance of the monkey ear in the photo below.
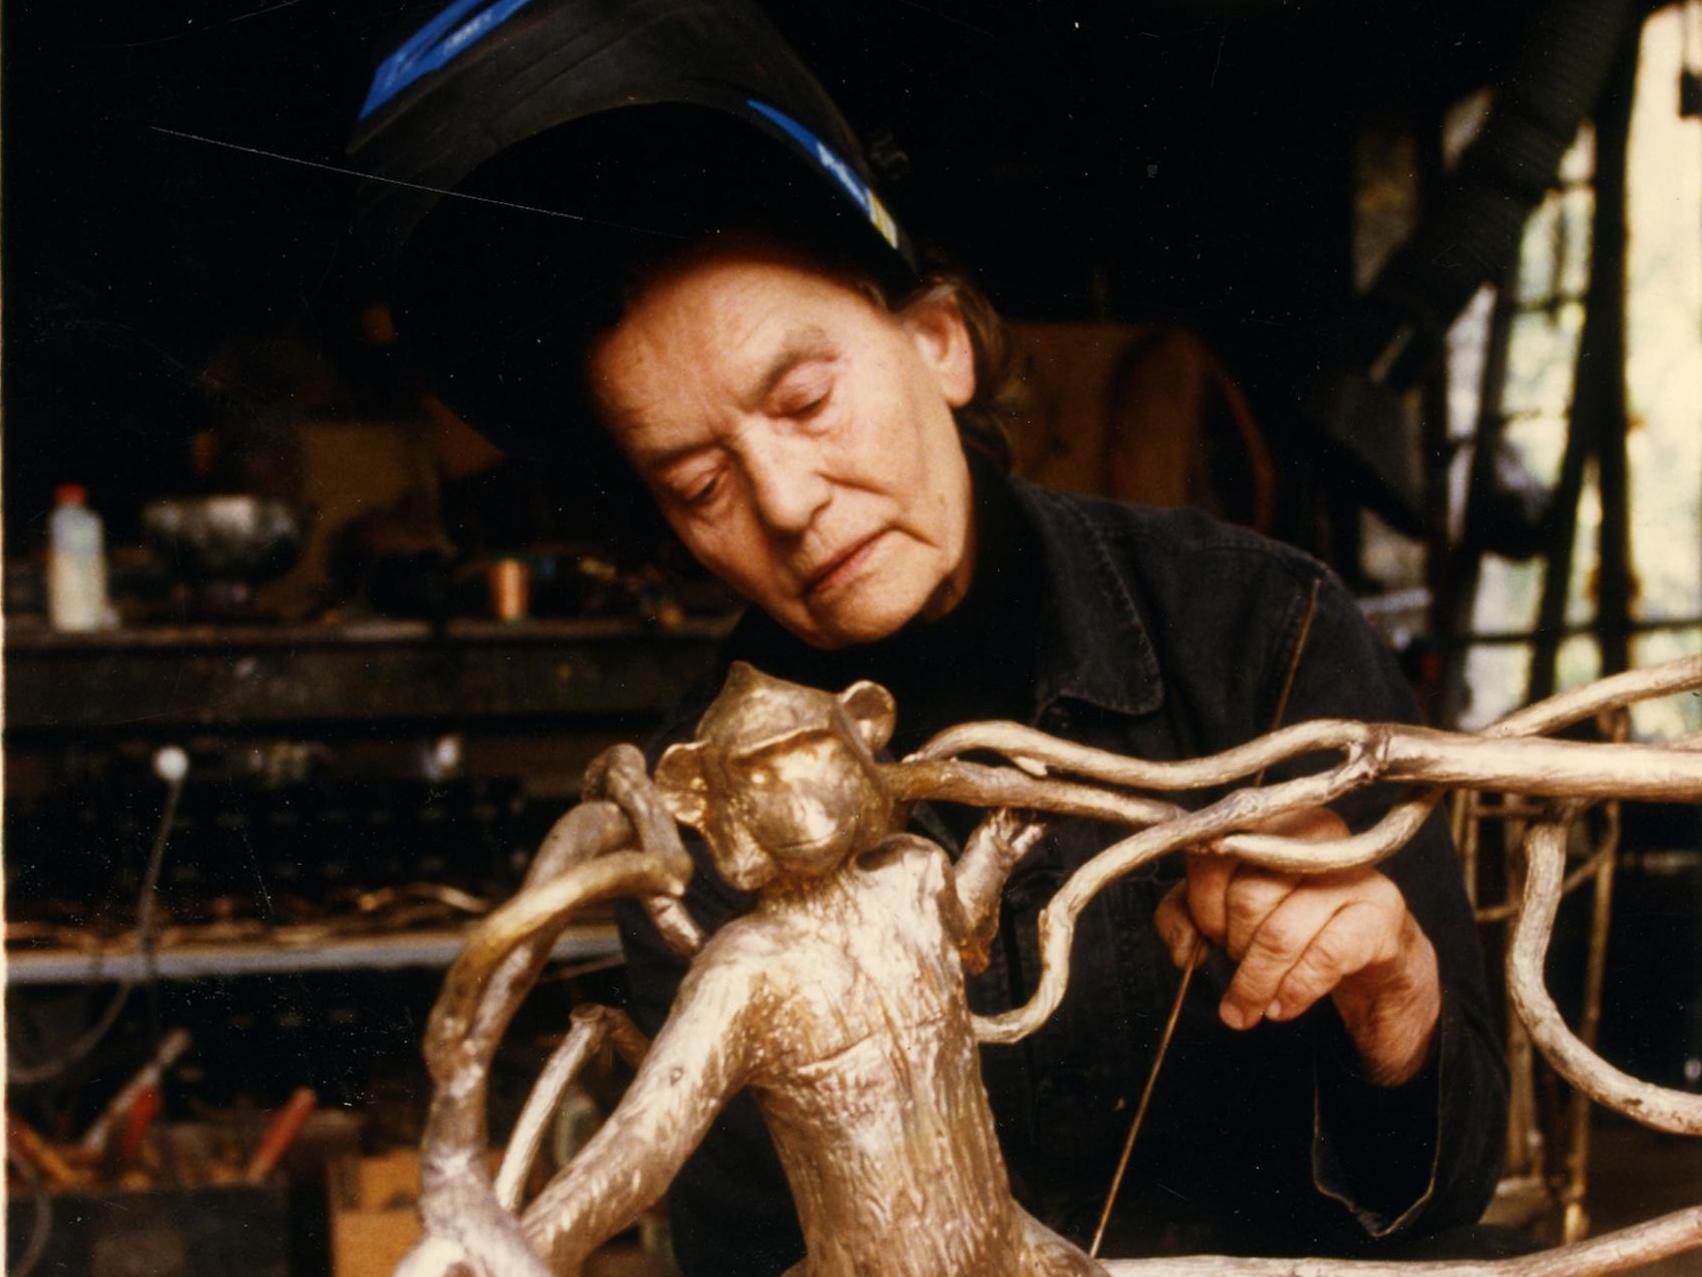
(872, 712)
(680, 782)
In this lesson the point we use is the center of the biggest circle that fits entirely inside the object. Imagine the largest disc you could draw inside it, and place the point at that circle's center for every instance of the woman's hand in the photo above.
(1298, 937)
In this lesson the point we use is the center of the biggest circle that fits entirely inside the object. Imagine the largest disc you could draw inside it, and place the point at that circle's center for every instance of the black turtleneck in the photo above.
(975, 662)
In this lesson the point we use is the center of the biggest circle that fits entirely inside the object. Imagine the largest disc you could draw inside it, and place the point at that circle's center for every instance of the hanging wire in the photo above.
(173, 767)
(41, 1220)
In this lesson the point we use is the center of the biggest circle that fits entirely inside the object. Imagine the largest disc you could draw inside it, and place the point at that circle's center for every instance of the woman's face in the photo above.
(799, 439)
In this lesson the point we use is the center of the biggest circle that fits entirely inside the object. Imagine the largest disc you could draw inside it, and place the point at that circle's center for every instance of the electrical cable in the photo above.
(171, 764)
(41, 1222)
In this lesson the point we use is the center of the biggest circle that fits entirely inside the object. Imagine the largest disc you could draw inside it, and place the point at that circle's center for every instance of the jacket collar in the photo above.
(1093, 646)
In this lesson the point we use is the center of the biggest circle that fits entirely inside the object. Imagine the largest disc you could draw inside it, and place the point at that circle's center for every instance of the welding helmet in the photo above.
(524, 159)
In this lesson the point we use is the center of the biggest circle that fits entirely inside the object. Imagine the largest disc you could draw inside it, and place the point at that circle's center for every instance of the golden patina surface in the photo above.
(839, 1000)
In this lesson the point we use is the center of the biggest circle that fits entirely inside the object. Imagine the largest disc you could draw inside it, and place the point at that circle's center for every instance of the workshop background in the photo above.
(1415, 285)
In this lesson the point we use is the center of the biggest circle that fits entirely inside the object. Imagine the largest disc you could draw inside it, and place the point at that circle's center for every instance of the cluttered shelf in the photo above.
(251, 677)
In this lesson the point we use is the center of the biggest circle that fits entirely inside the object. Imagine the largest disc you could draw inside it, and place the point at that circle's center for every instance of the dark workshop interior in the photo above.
(1414, 286)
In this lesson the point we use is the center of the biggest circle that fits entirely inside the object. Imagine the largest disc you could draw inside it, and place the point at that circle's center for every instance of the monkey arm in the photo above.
(594, 1027)
(995, 848)
(619, 773)
(696, 1063)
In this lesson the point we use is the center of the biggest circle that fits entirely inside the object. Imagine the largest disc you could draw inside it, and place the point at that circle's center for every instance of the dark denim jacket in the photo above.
(1165, 635)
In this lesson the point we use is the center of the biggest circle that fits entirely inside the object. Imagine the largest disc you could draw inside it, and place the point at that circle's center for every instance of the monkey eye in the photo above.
(755, 768)
(793, 759)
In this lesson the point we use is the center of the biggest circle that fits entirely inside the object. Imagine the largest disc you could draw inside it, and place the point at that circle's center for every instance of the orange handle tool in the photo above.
(280, 1132)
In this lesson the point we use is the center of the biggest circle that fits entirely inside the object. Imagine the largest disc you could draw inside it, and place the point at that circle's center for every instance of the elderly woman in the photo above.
(705, 292)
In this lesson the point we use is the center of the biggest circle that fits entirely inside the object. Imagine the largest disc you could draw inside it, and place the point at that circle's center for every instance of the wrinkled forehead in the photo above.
(717, 328)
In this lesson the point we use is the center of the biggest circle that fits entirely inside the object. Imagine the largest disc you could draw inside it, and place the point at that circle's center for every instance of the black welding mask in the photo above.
(527, 158)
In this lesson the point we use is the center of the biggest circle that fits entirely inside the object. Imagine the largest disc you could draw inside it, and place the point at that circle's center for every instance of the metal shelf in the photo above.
(432, 949)
(247, 679)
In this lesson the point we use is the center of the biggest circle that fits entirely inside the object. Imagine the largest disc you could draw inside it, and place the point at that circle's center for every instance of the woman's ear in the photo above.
(936, 326)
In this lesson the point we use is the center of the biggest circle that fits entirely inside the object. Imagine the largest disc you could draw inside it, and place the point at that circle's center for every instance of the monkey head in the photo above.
(781, 779)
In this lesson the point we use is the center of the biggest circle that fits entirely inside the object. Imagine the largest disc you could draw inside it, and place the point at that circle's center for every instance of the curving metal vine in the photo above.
(783, 783)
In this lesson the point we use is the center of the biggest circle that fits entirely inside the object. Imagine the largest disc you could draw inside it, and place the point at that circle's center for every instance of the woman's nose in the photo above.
(787, 481)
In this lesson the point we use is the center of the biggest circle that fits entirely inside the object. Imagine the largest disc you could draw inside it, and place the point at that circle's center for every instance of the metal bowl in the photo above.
(226, 538)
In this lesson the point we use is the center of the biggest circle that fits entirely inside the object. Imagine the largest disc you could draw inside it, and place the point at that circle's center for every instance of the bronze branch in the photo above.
(790, 760)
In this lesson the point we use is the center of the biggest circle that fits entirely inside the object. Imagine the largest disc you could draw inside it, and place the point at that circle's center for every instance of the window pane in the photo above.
(1664, 372)
(1675, 715)
(1540, 355)
(1507, 596)
(1495, 675)
(1579, 661)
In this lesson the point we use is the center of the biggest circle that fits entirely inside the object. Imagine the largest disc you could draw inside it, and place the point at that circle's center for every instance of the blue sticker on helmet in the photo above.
(436, 44)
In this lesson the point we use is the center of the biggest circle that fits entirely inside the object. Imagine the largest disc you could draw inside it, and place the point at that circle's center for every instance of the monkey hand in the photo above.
(995, 848)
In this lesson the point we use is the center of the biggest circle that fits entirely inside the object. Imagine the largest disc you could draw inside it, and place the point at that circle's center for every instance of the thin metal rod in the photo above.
(1194, 955)
(1507, 638)
(1575, 1223)
(1306, 617)
(1197, 952)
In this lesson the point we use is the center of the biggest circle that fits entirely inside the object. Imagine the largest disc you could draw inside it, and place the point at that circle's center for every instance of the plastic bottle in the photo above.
(76, 563)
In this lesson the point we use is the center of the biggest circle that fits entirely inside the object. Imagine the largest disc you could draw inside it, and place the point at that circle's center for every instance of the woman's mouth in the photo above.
(842, 567)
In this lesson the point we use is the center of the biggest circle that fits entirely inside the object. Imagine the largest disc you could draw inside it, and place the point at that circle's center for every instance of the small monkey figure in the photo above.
(838, 1000)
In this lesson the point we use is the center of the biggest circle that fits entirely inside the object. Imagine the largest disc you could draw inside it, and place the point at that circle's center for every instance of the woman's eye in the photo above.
(806, 402)
(704, 492)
